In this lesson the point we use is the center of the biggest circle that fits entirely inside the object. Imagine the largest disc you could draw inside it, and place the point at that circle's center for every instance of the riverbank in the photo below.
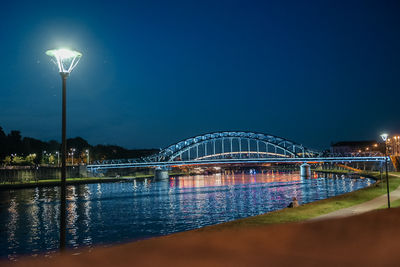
(316, 208)
(69, 181)
(369, 239)
(74, 181)
(56, 182)
(225, 236)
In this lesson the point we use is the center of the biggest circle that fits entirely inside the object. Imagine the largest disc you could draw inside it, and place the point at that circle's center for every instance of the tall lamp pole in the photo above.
(72, 156)
(87, 154)
(58, 158)
(384, 138)
(66, 60)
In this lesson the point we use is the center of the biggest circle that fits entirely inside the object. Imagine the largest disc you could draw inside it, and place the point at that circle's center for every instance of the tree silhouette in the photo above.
(13, 143)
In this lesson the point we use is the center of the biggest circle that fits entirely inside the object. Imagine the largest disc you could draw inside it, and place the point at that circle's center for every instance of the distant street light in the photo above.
(66, 60)
(384, 138)
(72, 156)
(44, 157)
(87, 154)
(58, 158)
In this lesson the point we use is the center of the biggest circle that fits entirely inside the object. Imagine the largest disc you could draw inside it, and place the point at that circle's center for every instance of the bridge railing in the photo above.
(354, 154)
(143, 161)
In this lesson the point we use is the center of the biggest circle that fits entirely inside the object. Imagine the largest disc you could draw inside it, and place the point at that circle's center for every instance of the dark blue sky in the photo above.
(153, 73)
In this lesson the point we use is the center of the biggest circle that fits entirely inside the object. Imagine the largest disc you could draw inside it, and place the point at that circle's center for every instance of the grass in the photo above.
(70, 181)
(85, 180)
(52, 180)
(393, 204)
(314, 209)
(56, 182)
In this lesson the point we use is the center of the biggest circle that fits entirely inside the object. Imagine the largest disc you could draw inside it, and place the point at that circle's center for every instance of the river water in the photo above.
(102, 214)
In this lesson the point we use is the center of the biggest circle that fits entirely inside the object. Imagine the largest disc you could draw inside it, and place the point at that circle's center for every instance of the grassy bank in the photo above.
(56, 182)
(70, 181)
(314, 209)
(73, 181)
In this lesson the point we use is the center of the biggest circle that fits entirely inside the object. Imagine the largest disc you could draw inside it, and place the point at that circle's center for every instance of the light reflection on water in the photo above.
(120, 212)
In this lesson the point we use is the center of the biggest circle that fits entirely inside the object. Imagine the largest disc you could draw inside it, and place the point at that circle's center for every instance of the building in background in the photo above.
(351, 147)
(393, 144)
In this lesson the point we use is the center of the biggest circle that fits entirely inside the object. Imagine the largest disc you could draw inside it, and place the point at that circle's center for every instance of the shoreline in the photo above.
(313, 209)
(70, 181)
(51, 183)
(256, 240)
(76, 181)
(368, 174)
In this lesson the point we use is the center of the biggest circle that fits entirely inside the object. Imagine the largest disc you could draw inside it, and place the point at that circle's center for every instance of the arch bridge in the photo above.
(231, 145)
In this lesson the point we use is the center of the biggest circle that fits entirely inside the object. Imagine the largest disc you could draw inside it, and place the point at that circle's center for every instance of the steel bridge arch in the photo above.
(281, 147)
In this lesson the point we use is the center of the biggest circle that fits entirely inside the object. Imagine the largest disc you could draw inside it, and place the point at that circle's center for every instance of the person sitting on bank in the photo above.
(294, 203)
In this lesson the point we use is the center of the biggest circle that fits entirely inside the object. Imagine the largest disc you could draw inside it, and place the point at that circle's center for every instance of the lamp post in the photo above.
(72, 156)
(44, 157)
(66, 60)
(87, 154)
(384, 138)
(58, 158)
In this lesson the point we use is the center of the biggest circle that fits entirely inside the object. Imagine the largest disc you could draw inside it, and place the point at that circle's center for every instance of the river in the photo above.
(108, 213)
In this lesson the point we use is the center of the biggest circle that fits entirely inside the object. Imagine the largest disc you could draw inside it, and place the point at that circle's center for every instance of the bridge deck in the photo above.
(235, 161)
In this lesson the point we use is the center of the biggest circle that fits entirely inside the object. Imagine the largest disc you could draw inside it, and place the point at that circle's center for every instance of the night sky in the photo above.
(153, 73)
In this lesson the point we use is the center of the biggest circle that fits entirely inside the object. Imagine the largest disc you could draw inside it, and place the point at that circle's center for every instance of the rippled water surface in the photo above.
(120, 212)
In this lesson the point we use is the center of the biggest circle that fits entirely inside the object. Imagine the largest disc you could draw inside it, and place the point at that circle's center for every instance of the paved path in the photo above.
(373, 204)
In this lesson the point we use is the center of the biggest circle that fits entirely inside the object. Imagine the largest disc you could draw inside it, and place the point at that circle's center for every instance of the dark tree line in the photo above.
(14, 144)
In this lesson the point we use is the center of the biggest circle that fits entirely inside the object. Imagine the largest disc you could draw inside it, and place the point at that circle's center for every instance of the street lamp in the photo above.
(58, 158)
(72, 156)
(66, 60)
(87, 154)
(384, 138)
(44, 157)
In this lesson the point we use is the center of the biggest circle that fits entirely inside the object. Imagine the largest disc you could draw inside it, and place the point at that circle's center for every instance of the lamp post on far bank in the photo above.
(58, 158)
(66, 60)
(72, 156)
(87, 155)
(384, 138)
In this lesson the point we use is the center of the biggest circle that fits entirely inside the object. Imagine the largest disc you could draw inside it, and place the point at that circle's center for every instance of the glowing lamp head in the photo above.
(384, 137)
(65, 59)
